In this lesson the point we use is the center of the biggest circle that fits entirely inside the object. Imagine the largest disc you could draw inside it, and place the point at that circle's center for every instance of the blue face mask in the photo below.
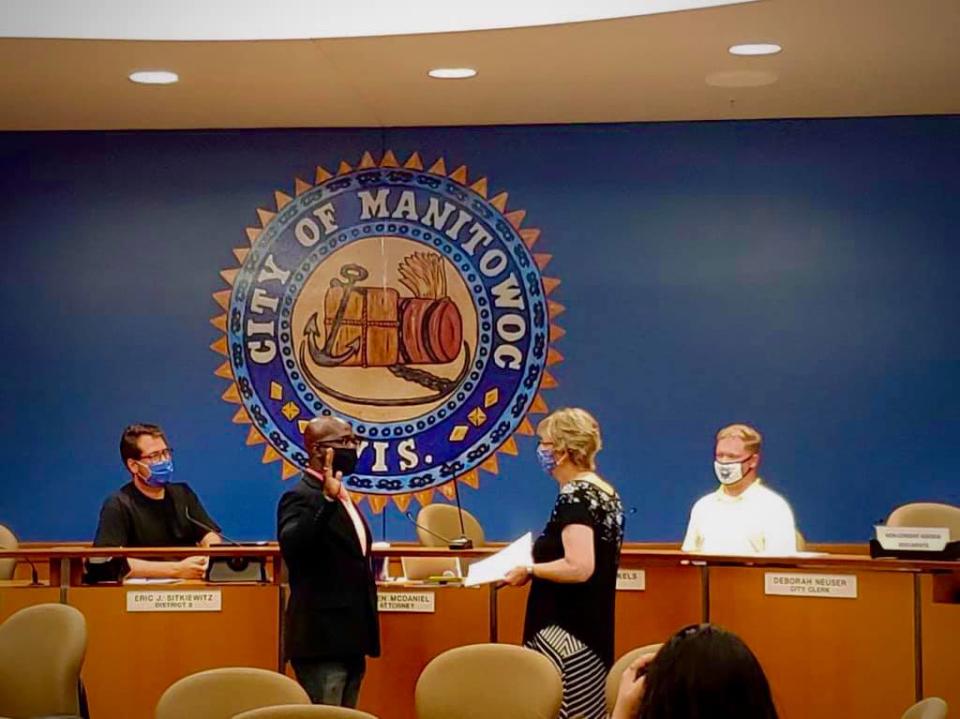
(546, 459)
(160, 473)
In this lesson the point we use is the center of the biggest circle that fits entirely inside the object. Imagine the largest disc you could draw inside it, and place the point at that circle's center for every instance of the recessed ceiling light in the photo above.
(154, 77)
(755, 48)
(452, 73)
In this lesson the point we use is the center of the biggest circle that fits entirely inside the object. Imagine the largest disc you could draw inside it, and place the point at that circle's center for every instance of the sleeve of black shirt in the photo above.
(113, 529)
(198, 513)
(572, 509)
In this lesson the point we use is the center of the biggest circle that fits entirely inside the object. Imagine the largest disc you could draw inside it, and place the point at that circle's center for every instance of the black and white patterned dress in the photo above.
(573, 624)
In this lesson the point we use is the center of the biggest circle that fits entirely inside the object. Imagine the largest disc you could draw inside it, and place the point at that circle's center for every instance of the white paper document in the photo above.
(494, 568)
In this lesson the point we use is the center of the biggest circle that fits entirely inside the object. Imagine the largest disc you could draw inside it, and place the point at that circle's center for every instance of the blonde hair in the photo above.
(752, 439)
(574, 431)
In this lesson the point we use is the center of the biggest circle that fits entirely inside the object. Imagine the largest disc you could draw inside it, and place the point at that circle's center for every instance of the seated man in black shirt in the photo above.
(152, 511)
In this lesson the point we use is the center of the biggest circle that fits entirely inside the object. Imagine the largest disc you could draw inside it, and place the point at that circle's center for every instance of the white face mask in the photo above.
(728, 472)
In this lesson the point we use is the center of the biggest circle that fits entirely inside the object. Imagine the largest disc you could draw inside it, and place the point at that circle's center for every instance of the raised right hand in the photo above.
(332, 482)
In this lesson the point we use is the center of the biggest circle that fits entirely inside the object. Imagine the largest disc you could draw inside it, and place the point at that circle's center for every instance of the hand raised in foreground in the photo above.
(631, 688)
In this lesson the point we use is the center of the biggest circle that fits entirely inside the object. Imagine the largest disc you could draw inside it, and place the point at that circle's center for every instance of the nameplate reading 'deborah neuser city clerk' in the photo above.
(796, 584)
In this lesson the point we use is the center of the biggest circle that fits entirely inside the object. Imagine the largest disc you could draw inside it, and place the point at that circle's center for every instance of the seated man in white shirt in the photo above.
(742, 516)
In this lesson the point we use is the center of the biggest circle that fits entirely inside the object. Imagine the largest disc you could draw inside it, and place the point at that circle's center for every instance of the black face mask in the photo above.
(344, 460)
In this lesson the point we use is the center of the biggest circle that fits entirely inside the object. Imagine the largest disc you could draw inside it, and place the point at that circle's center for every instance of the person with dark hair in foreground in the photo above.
(702, 671)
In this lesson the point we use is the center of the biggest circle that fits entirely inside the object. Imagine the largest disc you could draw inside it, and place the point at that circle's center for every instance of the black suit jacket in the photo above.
(332, 613)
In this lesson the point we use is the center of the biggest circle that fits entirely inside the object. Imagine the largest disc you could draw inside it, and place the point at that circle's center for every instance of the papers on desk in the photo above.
(151, 580)
(495, 567)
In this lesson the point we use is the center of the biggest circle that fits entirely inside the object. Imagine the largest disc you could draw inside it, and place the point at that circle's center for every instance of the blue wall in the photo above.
(798, 275)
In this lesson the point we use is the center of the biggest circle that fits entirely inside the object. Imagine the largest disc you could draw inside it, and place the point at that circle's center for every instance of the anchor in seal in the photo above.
(375, 327)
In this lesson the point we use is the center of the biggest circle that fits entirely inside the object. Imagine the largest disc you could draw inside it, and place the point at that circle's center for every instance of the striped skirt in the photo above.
(584, 674)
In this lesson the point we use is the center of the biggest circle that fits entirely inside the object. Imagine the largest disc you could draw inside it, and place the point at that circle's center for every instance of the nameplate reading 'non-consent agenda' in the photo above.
(824, 586)
(913, 539)
(416, 602)
(631, 580)
(190, 600)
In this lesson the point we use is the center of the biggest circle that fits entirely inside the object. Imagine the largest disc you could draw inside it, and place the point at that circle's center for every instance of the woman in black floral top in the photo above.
(570, 610)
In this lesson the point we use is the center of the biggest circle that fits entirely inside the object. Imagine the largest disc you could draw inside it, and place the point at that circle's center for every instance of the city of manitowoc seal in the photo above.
(403, 300)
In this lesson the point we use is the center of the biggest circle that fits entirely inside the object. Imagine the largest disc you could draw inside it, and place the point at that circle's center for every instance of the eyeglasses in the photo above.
(163, 455)
(342, 443)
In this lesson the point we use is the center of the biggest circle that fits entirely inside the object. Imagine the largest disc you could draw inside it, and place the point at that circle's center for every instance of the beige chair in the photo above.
(444, 520)
(480, 681)
(931, 708)
(927, 514)
(224, 693)
(620, 666)
(8, 540)
(424, 567)
(801, 541)
(304, 712)
(41, 654)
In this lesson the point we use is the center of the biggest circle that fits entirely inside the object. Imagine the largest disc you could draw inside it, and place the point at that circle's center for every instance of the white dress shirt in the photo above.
(758, 521)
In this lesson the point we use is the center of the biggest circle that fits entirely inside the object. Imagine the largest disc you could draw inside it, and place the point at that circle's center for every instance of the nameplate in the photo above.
(825, 586)
(415, 602)
(913, 539)
(190, 600)
(631, 580)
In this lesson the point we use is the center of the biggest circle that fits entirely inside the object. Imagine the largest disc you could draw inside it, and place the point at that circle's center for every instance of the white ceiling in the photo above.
(304, 19)
(840, 58)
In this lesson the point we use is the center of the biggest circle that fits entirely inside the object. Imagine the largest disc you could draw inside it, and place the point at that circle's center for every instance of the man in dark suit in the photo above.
(331, 620)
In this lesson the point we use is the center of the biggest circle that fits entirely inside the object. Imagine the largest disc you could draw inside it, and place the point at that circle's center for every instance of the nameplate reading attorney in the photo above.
(824, 586)
(189, 600)
(631, 580)
(416, 602)
(913, 539)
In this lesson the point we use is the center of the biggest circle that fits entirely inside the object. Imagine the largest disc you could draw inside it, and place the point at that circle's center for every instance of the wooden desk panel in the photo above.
(940, 622)
(133, 657)
(17, 594)
(851, 658)
(511, 609)
(410, 641)
(671, 601)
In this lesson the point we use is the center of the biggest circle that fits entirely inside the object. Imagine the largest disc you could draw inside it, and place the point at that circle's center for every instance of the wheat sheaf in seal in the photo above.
(402, 299)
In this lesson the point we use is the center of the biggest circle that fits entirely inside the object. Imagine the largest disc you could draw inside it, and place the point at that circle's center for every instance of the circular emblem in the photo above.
(403, 300)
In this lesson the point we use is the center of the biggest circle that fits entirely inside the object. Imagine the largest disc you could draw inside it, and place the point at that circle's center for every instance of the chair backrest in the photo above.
(224, 693)
(310, 711)
(8, 540)
(424, 567)
(41, 655)
(444, 519)
(931, 708)
(620, 666)
(801, 541)
(480, 681)
(927, 514)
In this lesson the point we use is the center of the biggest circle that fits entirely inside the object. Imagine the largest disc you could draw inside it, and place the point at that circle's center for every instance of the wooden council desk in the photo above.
(837, 634)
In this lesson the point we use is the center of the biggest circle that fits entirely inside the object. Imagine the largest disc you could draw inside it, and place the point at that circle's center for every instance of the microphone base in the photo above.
(460, 543)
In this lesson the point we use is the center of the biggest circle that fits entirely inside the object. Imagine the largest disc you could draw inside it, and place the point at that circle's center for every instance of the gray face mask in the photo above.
(728, 472)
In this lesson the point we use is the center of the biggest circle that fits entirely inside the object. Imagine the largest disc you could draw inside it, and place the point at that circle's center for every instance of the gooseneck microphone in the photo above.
(203, 525)
(413, 521)
(463, 541)
(455, 544)
(34, 577)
